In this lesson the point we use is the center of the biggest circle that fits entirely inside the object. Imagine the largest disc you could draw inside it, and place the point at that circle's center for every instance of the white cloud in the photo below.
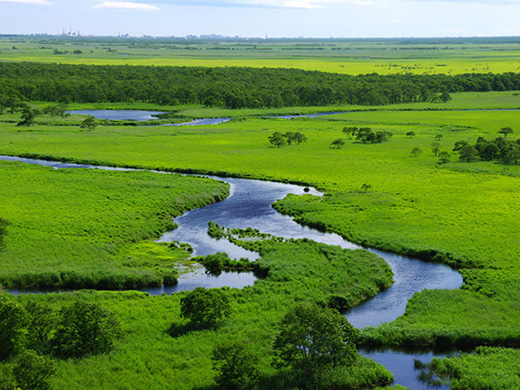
(126, 5)
(36, 2)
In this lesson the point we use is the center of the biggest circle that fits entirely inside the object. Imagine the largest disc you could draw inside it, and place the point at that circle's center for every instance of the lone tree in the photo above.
(416, 151)
(411, 134)
(505, 131)
(205, 308)
(28, 115)
(235, 366)
(277, 139)
(313, 340)
(337, 144)
(436, 147)
(89, 122)
(365, 187)
(85, 329)
(438, 137)
(444, 157)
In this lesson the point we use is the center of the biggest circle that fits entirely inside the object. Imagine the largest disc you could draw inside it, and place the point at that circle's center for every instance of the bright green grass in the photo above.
(85, 228)
(465, 210)
(146, 357)
(337, 56)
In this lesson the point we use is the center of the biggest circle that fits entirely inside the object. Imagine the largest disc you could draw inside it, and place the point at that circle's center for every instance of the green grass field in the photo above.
(336, 56)
(464, 214)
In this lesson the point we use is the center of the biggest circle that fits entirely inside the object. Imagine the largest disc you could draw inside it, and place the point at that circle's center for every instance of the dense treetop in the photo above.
(231, 87)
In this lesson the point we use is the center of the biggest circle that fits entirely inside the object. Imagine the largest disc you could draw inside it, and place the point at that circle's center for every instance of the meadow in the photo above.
(378, 195)
(79, 228)
(459, 213)
(343, 56)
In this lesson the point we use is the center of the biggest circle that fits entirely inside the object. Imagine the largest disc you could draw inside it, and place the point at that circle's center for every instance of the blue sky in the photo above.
(256, 18)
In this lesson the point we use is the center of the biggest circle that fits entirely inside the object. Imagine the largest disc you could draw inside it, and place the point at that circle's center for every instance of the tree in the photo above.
(295, 137)
(277, 139)
(350, 131)
(505, 131)
(41, 323)
(13, 323)
(205, 308)
(365, 187)
(89, 122)
(468, 153)
(85, 329)
(32, 371)
(337, 144)
(28, 115)
(436, 147)
(312, 340)
(416, 151)
(445, 97)
(438, 137)
(444, 157)
(235, 366)
(411, 134)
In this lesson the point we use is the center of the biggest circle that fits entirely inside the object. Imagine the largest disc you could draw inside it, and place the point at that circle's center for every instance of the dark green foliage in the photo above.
(277, 139)
(444, 157)
(337, 143)
(84, 329)
(232, 87)
(366, 135)
(501, 150)
(205, 308)
(42, 321)
(89, 122)
(365, 187)
(32, 372)
(468, 153)
(416, 151)
(436, 147)
(28, 115)
(410, 134)
(313, 340)
(505, 131)
(295, 137)
(13, 324)
(235, 366)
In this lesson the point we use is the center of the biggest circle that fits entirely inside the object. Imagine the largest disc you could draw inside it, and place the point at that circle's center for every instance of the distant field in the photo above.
(336, 56)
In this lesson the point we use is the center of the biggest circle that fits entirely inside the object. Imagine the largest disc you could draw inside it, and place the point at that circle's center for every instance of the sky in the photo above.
(261, 18)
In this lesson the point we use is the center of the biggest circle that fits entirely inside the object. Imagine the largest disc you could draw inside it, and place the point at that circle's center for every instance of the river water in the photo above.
(249, 205)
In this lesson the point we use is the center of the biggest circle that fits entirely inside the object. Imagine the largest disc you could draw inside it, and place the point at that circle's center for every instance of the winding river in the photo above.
(249, 205)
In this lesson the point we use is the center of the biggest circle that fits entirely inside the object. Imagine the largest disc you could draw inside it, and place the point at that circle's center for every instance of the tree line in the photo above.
(230, 87)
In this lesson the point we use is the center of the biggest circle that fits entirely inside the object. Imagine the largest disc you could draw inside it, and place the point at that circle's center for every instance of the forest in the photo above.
(232, 87)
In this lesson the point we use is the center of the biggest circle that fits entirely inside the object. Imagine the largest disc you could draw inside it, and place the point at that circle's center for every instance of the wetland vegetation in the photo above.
(95, 229)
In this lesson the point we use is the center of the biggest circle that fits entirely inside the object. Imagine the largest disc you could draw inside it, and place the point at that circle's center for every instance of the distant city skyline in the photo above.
(260, 18)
